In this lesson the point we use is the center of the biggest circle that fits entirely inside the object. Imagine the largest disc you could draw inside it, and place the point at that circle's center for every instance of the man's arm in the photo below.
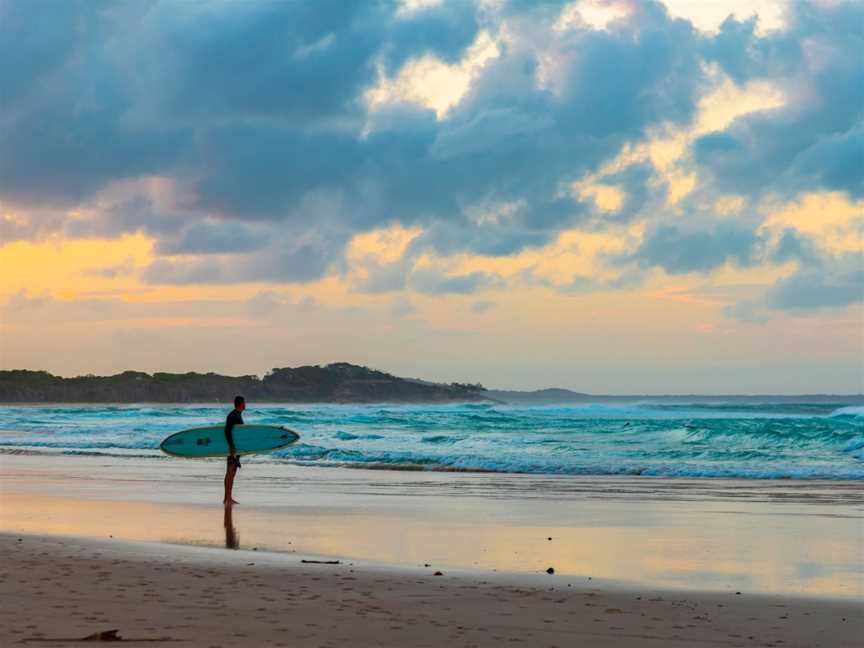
(229, 433)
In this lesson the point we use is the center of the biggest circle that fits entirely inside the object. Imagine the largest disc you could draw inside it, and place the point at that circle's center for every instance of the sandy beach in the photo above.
(60, 588)
(92, 544)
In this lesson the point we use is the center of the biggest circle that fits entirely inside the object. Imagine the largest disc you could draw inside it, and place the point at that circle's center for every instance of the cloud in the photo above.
(836, 162)
(123, 269)
(255, 110)
(384, 277)
(482, 306)
(301, 260)
(813, 142)
(681, 249)
(588, 284)
(822, 280)
(793, 246)
(833, 285)
(435, 283)
(164, 271)
(640, 197)
(136, 214)
(307, 62)
(256, 115)
(210, 237)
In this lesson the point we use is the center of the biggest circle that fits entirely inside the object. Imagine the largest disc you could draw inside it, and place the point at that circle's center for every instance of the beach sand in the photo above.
(92, 543)
(54, 587)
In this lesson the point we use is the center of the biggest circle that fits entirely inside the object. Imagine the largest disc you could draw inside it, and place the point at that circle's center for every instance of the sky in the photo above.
(613, 197)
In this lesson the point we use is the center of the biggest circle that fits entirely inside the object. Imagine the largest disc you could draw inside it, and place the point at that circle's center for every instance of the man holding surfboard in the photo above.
(232, 438)
(235, 417)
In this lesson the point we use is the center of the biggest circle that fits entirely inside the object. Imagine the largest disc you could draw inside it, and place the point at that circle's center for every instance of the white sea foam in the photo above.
(755, 441)
(850, 410)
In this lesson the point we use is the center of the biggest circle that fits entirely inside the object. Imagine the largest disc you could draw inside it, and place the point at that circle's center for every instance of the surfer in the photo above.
(235, 417)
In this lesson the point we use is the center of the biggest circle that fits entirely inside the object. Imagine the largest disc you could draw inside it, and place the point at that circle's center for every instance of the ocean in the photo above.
(746, 441)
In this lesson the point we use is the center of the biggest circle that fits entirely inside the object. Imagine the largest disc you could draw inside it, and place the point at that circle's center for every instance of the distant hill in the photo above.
(567, 397)
(335, 383)
(551, 396)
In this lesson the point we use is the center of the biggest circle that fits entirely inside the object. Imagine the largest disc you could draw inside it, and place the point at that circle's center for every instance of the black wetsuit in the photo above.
(234, 418)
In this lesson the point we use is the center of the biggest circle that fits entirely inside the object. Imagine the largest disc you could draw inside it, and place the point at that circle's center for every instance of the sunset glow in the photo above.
(621, 197)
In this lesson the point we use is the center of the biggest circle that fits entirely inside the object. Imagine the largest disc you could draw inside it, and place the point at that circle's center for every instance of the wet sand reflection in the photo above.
(232, 538)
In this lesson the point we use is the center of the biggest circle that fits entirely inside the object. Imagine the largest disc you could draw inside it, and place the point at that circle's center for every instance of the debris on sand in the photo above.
(104, 635)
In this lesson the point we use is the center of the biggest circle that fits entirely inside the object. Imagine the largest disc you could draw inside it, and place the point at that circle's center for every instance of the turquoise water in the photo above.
(797, 441)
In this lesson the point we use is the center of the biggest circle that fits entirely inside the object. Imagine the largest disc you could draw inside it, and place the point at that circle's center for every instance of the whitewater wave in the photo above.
(855, 411)
(749, 441)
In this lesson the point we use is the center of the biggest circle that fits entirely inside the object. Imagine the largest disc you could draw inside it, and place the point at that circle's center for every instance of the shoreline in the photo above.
(785, 538)
(65, 587)
(98, 543)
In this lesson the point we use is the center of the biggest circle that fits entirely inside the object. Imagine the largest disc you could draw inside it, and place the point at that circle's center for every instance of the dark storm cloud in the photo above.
(110, 91)
(813, 142)
(65, 119)
(255, 112)
(680, 249)
(111, 220)
(302, 259)
(302, 61)
(53, 30)
(639, 197)
(794, 246)
(125, 217)
(256, 106)
(256, 172)
(305, 61)
(209, 237)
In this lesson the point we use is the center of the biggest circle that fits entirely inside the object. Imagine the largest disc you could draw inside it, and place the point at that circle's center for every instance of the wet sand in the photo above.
(65, 588)
(785, 538)
(91, 544)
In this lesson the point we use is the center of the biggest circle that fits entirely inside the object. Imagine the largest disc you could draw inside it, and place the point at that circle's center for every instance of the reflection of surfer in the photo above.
(235, 417)
(232, 541)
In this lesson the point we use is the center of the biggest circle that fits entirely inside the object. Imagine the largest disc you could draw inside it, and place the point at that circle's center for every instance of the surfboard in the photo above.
(210, 441)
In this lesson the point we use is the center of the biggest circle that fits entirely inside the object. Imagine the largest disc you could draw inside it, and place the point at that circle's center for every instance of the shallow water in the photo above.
(747, 441)
(789, 536)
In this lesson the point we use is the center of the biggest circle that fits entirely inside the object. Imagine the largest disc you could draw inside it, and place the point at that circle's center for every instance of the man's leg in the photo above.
(230, 471)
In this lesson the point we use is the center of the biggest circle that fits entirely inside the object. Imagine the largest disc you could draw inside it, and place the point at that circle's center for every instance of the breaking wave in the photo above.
(746, 441)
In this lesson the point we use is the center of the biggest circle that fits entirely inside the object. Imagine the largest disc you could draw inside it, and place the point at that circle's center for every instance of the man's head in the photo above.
(239, 403)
